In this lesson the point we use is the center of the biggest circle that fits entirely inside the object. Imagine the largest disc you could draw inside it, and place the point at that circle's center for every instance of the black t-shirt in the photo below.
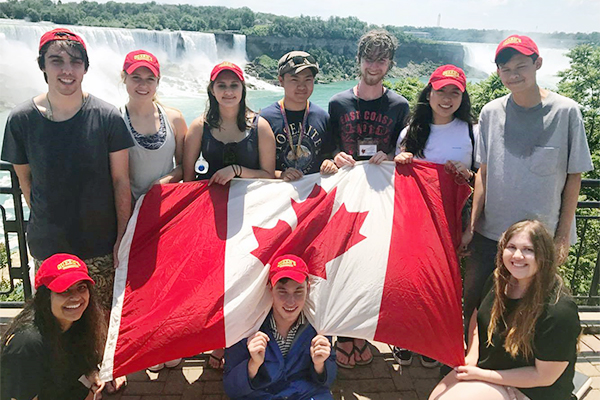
(379, 121)
(28, 371)
(317, 142)
(72, 199)
(556, 333)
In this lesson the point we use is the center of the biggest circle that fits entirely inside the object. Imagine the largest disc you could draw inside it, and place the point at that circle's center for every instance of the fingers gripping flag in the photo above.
(379, 242)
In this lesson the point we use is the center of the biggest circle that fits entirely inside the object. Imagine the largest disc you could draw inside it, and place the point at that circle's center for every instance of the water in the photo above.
(186, 61)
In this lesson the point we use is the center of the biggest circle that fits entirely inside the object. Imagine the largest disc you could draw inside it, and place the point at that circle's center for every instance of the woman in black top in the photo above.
(56, 342)
(523, 337)
(229, 141)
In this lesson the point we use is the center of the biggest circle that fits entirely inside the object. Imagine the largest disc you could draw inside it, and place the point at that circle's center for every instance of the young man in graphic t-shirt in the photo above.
(367, 119)
(302, 135)
(532, 149)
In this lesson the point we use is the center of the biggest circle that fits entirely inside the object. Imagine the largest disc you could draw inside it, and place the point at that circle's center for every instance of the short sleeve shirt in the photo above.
(26, 371)
(317, 142)
(528, 153)
(72, 199)
(555, 339)
(379, 121)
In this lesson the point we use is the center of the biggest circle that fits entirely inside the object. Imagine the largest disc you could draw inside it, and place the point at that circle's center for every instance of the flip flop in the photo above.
(348, 355)
(218, 359)
(360, 353)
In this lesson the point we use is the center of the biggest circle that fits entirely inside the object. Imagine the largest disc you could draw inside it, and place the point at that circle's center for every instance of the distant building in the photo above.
(420, 35)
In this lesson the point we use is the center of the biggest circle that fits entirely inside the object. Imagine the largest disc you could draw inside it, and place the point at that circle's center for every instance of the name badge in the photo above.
(367, 149)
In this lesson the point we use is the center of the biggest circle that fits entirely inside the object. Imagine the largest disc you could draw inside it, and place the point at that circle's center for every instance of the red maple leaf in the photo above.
(318, 237)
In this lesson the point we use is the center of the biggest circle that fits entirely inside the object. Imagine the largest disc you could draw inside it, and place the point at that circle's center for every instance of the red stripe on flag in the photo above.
(421, 304)
(156, 326)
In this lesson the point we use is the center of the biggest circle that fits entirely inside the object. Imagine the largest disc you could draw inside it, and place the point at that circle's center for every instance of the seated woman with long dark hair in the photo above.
(57, 341)
(523, 336)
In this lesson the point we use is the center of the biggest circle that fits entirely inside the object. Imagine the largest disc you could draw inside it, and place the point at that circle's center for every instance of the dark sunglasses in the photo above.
(301, 60)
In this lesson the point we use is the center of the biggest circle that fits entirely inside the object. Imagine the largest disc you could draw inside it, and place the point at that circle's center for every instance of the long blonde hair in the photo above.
(546, 286)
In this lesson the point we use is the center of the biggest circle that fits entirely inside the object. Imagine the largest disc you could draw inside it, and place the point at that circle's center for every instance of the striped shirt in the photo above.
(285, 343)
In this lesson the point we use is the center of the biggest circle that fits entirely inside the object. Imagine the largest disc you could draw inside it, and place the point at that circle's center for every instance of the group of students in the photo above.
(524, 162)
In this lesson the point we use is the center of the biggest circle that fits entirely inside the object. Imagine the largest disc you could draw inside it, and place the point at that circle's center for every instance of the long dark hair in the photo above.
(82, 344)
(421, 118)
(213, 115)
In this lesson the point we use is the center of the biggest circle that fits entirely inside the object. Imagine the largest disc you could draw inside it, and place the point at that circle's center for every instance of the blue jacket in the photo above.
(292, 378)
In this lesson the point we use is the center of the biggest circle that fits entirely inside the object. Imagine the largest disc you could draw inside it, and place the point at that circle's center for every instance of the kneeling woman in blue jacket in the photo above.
(285, 358)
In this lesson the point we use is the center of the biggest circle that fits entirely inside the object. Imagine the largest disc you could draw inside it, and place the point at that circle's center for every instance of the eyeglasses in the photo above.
(229, 156)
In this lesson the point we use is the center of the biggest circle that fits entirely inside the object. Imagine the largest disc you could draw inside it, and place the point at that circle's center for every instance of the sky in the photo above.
(517, 15)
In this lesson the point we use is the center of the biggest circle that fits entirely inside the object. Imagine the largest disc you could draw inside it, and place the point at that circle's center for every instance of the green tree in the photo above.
(581, 82)
(409, 87)
(485, 91)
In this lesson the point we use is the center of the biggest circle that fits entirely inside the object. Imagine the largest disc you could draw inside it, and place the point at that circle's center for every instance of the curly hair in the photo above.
(85, 338)
(377, 44)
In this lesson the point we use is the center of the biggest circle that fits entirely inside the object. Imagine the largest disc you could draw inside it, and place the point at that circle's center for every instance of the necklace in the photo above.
(50, 113)
(296, 151)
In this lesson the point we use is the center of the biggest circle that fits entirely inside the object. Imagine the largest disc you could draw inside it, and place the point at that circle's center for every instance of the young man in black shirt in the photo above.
(70, 152)
(367, 119)
(302, 135)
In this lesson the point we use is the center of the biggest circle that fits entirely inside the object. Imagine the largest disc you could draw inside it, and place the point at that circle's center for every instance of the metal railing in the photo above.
(589, 301)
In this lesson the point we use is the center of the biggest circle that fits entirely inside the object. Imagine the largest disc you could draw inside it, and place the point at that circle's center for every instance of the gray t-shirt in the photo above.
(529, 152)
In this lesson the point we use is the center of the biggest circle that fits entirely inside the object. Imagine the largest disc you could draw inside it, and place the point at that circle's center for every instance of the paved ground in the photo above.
(381, 380)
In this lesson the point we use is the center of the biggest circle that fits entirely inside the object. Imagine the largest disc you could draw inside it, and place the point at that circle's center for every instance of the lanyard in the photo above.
(286, 129)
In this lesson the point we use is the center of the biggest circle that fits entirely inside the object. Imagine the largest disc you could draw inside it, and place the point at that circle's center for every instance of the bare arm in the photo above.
(24, 174)
(191, 149)
(543, 373)
(180, 129)
(119, 169)
(473, 347)
(568, 207)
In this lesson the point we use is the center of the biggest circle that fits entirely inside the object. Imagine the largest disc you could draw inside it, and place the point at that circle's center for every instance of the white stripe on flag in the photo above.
(106, 370)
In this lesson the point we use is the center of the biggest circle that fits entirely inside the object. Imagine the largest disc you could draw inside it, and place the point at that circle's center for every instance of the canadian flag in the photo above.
(379, 241)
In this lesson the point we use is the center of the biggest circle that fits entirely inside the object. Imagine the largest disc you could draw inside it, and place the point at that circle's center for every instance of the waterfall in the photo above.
(481, 56)
(186, 59)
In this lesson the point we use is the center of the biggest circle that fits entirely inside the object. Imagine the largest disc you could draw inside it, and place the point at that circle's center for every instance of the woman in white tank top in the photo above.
(158, 131)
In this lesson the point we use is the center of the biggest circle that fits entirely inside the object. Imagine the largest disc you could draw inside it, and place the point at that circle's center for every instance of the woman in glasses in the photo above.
(229, 141)
(440, 131)
(158, 131)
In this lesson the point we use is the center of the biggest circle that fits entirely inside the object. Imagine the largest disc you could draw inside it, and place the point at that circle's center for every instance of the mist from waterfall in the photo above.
(186, 60)
(481, 57)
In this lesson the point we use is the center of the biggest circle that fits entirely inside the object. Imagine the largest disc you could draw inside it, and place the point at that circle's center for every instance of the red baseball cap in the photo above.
(523, 44)
(226, 66)
(60, 34)
(141, 58)
(61, 271)
(288, 266)
(448, 75)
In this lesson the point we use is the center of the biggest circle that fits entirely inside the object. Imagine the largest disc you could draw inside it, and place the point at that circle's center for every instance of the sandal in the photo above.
(361, 351)
(220, 360)
(348, 356)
